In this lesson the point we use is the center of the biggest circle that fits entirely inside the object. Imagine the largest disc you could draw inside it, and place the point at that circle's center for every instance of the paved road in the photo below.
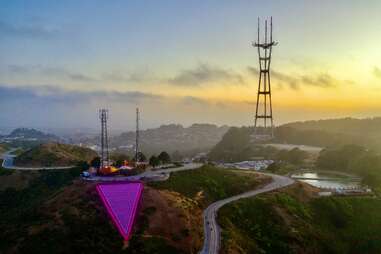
(8, 159)
(157, 175)
(212, 230)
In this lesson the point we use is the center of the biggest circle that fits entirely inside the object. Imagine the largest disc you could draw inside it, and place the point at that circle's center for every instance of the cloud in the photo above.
(54, 94)
(295, 82)
(133, 77)
(27, 31)
(377, 72)
(191, 100)
(321, 80)
(63, 73)
(203, 74)
(57, 72)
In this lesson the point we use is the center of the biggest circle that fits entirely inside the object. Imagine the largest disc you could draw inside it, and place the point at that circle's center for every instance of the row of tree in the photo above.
(162, 158)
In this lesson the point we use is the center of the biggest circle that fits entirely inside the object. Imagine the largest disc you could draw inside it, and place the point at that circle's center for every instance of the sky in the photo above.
(184, 61)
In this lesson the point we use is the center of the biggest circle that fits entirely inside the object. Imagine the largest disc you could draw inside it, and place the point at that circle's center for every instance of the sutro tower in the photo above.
(103, 116)
(264, 110)
(137, 137)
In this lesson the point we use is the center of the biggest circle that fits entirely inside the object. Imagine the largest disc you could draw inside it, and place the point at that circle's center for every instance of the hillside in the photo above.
(351, 126)
(209, 183)
(295, 220)
(233, 146)
(55, 213)
(31, 134)
(54, 154)
(173, 137)
(3, 148)
(236, 144)
(333, 132)
(52, 212)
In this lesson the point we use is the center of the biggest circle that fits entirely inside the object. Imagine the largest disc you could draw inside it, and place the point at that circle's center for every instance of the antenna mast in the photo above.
(103, 116)
(263, 110)
(137, 137)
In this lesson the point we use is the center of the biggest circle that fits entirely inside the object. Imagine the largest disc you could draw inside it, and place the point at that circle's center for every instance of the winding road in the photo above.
(212, 232)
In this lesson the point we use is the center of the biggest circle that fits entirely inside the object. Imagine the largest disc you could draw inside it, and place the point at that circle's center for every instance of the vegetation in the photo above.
(154, 161)
(54, 154)
(164, 157)
(234, 146)
(4, 171)
(95, 162)
(333, 132)
(141, 157)
(287, 223)
(209, 183)
(53, 215)
(353, 159)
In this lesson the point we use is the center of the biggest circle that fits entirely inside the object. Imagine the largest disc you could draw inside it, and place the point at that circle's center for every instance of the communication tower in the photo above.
(263, 123)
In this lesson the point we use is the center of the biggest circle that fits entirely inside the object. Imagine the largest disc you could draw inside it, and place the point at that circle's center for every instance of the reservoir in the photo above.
(326, 180)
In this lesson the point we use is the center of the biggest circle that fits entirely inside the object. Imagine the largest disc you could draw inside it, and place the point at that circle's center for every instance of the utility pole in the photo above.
(264, 110)
(137, 137)
(103, 116)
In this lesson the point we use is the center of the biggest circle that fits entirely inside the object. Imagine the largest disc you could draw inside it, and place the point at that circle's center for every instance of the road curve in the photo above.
(212, 230)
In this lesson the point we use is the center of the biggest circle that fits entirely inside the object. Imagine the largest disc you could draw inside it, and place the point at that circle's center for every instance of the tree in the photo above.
(154, 161)
(339, 159)
(83, 165)
(96, 162)
(141, 157)
(164, 157)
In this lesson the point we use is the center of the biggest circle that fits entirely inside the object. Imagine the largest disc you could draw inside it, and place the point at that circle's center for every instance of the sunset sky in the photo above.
(184, 61)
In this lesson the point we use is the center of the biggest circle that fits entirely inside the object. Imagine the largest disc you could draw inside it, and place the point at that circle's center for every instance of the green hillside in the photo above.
(54, 213)
(237, 143)
(352, 126)
(209, 183)
(333, 132)
(54, 154)
(294, 222)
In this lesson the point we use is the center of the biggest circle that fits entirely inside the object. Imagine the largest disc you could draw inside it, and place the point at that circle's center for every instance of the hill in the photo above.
(295, 220)
(173, 137)
(55, 213)
(31, 134)
(351, 126)
(54, 154)
(52, 212)
(236, 144)
(333, 132)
